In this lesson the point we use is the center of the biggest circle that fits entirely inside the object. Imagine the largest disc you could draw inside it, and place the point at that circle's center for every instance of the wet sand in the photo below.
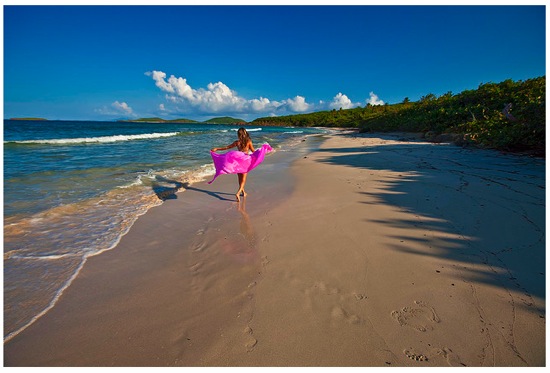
(373, 250)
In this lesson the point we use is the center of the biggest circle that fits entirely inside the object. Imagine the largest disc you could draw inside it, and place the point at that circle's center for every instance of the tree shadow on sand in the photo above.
(485, 210)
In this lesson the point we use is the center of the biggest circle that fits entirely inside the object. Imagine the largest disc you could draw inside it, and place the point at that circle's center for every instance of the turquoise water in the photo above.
(72, 189)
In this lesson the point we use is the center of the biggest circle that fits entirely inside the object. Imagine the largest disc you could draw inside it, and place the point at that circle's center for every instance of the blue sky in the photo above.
(198, 62)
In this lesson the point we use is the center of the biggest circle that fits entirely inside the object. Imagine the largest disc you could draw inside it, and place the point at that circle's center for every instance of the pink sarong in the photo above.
(237, 162)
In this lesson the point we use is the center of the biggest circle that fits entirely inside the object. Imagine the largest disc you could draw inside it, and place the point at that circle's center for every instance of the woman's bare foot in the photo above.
(239, 194)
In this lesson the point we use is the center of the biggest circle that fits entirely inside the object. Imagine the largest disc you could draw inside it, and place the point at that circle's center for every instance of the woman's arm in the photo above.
(232, 145)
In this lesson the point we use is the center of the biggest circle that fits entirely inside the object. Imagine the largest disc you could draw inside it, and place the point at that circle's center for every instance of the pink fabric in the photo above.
(237, 162)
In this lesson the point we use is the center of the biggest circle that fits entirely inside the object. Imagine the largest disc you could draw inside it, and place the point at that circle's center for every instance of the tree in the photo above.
(428, 97)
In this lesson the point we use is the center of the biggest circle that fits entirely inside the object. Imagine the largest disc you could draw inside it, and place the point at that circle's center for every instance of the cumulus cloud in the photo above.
(116, 109)
(218, 97)
(262, 104)
(298, 104)
(341, 101)
(374, 100)
(122, 107)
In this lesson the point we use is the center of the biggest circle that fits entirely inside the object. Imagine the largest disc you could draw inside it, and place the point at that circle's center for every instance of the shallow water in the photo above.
(73, 189)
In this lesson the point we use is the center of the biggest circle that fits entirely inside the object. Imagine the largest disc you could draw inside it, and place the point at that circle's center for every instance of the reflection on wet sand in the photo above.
(244, 246)
(247, 230)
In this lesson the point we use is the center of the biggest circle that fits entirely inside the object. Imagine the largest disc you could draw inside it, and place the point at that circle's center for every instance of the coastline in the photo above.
(355, 252)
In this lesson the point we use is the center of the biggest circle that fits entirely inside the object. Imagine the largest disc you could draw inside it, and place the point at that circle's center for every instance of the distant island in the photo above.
(219, 120)
(225, 120)
(159, 120)
(27, 119)
(508, 116)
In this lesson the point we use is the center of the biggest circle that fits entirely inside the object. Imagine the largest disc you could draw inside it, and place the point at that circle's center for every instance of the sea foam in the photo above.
(101, 139)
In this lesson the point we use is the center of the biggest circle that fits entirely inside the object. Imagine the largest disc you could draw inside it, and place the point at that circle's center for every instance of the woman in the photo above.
(239, 162)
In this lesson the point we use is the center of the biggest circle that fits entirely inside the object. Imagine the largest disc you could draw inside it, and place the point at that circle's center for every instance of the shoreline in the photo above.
(111, 213)
(350, 251)
(198, 223)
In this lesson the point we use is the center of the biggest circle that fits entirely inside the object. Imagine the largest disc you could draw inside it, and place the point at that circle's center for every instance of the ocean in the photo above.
(72, 189)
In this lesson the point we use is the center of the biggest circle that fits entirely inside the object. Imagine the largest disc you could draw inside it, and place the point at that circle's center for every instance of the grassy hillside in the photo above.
(27, 119)
(476, 116)
(160, 120)
(219, 120)
(225, 120)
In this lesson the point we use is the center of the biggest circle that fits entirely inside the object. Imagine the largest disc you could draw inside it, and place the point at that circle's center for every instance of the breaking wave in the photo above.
(101, 139)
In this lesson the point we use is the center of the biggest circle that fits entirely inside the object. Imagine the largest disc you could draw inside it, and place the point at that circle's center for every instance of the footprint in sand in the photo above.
(452, 359)
(195, 268)
(339, 313)
(413, 355)
(251, 342)
(338, 302)
(418, 318)
(199, 247)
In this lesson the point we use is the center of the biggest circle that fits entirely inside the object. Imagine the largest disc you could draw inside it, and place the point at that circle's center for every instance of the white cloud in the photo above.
(122, 107)
(341, 101)
(116, 109)
(374, 100)
(298, 104)
(263, 104)
(218, 97)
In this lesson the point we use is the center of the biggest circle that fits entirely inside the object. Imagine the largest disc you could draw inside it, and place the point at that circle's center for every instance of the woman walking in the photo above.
(239, 161)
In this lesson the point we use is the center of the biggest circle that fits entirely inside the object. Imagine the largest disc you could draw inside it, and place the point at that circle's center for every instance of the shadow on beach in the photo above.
(218, 195)
(486, 209)
(165, 192)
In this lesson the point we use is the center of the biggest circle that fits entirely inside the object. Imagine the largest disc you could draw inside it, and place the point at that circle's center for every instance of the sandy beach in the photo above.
(350, 250)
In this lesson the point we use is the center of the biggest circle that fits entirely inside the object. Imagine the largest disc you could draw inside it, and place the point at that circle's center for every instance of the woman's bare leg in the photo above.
(242, 182)
(240, 177)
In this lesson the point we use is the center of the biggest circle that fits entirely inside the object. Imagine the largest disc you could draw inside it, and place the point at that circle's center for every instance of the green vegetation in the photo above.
(160, 120)
(332, 118)
(225, 120)
(220, 120)
(472, 116)
(27, 119)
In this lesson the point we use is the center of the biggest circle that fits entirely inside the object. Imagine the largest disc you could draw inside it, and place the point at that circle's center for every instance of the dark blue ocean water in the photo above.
(72, 189)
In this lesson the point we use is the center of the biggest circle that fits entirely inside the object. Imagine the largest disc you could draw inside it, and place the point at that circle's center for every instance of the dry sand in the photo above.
(368, 251)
